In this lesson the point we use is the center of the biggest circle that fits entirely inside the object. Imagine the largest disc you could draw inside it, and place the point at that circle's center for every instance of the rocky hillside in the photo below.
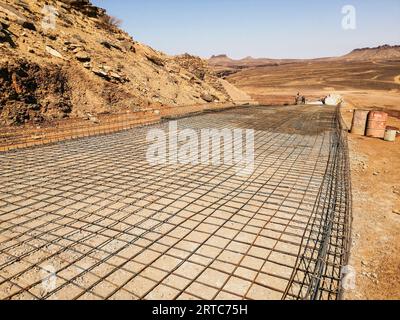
(68, 58)
(384, 52)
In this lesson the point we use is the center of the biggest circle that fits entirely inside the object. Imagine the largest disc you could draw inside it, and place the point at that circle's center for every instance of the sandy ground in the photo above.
(376, 210)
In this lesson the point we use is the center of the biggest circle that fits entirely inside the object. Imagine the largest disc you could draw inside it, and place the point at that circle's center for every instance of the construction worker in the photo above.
(297, 99)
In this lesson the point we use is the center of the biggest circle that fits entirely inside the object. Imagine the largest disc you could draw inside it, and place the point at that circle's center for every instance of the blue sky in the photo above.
(258, 28)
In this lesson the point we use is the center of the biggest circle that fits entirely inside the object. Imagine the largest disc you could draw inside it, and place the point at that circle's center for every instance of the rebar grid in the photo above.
(326, 241)
(114, 227)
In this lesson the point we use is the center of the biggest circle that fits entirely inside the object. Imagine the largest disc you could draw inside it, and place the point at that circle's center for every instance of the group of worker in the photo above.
(332, 99)
(300, 99)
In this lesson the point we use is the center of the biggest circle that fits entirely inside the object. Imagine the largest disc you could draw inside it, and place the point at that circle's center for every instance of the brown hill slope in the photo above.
(384, 52)
(78, 61)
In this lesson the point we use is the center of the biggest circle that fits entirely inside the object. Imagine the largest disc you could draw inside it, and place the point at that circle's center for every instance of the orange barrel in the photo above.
(359, 123)
(376, 125)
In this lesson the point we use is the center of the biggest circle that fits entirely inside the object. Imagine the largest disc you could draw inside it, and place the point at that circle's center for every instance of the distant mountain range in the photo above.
(224, 60)
(225, 65)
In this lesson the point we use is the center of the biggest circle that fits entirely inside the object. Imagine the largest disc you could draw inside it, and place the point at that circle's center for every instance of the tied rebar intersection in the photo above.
(91, 219)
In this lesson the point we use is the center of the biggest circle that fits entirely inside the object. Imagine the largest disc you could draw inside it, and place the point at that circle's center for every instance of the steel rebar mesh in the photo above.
(111, 226)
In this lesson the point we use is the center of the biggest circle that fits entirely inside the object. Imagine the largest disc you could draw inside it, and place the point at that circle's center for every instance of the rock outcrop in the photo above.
(385, 52)
(69, 58)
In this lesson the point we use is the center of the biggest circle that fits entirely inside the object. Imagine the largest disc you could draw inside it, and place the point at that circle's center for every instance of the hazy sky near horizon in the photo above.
(257, 28)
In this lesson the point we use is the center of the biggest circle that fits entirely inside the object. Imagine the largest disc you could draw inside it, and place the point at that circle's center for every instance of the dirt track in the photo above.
(105, 224)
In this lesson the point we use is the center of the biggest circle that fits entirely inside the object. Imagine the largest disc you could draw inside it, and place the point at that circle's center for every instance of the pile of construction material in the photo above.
(330, 100)
(333, 100)
(373, 124)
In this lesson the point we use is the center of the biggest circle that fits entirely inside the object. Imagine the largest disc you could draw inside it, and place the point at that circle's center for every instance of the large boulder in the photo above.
(207, 97)
(82, 56)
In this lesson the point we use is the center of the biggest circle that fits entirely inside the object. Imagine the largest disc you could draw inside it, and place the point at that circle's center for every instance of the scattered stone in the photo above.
(123, 37)
(174, 69)
(75, 47)
(106, 44)
(24, 5)
(376, 173)
(107, 73)
(34, 107)
(91, 118)
(79, 38)
(195, 80)
(12, 13)
(100, 72)
(156, 60)
(396, 211)
(115, 75)
(107, 68)
(87, 65)
(128, 46)
(31, 50)
(95, 120)
(362, 165)
(109, 45)
(82, 56)
(4, 24)
(51, 36)
(185, 76)
(3, 36)
(28, 25)
(207, 97)
(54, 52)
